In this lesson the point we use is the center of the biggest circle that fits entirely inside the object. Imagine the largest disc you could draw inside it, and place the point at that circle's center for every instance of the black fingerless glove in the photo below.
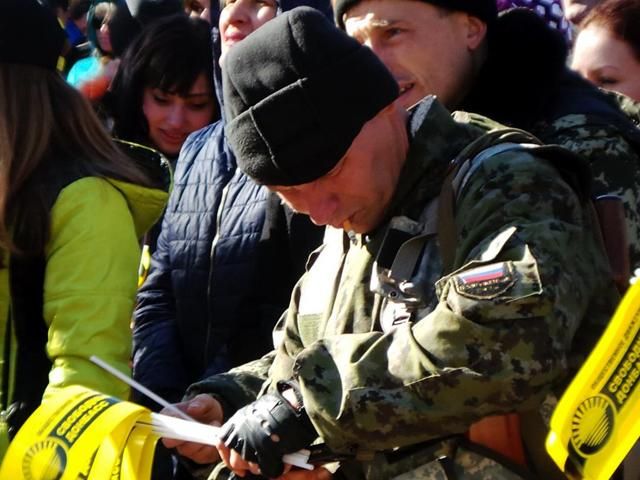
(265, 430)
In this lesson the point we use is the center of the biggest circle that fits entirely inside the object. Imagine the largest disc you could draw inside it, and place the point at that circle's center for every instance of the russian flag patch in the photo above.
(487, 281)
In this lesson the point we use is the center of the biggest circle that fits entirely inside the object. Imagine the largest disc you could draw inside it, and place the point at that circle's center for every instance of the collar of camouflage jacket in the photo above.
(435, 140)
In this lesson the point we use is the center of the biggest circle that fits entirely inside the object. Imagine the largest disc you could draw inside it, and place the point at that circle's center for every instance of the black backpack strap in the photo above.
(447, 231)
(607, 213)
(492, 143)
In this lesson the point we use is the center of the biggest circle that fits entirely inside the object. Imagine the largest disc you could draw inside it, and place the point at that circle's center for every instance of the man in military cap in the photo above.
(458, 270)
(511, 68)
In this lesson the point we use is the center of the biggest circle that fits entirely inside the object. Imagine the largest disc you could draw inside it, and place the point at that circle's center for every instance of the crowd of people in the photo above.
(384, 228)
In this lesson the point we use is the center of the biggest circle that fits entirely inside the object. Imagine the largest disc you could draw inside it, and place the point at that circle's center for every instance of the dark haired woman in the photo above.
(163, 89)
(72, 208)
(607, 48)
(163, 92)
(228, 254)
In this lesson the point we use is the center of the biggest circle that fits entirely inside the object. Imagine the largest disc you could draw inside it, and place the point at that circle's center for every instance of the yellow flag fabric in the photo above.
(597, 420)
(80, 433)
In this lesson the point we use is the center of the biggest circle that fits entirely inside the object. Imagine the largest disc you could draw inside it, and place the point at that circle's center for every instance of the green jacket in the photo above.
(613, 156)
(90, 281)
(391, 352)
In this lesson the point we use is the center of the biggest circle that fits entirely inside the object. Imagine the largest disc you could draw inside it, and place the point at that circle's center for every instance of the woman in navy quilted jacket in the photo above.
(228, 253)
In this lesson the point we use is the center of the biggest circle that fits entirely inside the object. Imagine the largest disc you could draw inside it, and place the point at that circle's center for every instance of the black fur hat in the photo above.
(30, 34)
(297, 91)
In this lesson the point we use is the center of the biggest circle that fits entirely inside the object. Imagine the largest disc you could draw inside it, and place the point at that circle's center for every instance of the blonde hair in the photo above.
(44, 121)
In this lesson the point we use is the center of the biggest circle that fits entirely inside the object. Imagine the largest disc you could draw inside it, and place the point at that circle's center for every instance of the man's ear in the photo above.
(476, 32)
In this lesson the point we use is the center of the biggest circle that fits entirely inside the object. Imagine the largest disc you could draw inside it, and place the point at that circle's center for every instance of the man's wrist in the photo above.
(290, 391)
(290, 396)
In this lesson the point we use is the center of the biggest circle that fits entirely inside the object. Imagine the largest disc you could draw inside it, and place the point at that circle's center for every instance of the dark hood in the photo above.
(526, 84)
(525, 80)
(283, 5)
(523, 70)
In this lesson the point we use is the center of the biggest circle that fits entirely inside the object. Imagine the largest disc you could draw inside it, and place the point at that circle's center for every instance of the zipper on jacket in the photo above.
(214, 243)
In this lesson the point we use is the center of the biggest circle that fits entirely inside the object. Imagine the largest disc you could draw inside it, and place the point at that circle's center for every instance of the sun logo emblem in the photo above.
(592, 425)
(44, 460)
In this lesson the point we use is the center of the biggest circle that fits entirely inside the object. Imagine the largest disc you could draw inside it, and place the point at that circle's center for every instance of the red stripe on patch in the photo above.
(482, 274)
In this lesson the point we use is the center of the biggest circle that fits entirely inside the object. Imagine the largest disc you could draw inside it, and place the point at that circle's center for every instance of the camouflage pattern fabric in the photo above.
(614, 158)
(447, 460)
(630, 107)
(392, 355)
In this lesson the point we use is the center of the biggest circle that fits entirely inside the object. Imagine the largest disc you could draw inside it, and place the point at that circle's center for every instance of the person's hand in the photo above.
(205, 409)
(317, 473)
(234, 461)
(241, 467)
(257, 436)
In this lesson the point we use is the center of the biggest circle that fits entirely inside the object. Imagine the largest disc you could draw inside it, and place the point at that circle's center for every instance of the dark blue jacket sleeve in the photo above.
(157, 357)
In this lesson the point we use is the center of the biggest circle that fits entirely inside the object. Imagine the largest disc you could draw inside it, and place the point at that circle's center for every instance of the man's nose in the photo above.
(322, 209)
(237, 12)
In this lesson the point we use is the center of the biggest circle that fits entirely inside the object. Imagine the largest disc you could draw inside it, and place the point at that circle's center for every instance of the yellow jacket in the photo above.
(91, 264)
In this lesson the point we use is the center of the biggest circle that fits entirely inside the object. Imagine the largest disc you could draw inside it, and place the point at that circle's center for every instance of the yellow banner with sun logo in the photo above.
(597, 420)
(80, 433)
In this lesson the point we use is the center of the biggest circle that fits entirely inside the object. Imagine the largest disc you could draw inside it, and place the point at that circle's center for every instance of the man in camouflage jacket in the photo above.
(511, 68)
(386, 354)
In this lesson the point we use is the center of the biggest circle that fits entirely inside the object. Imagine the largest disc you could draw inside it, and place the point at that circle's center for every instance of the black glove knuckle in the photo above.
(265, 430)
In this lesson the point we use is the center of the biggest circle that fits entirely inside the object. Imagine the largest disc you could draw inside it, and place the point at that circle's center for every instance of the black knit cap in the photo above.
(30, 34)
(297, 92)
(485, 10)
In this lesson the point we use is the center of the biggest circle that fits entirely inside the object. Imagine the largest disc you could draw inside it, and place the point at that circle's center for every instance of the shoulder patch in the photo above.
(485, 282)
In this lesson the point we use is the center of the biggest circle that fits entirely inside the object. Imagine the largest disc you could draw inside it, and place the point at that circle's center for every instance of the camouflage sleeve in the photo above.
(237, 387)
(614, 162)
(487, 347)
